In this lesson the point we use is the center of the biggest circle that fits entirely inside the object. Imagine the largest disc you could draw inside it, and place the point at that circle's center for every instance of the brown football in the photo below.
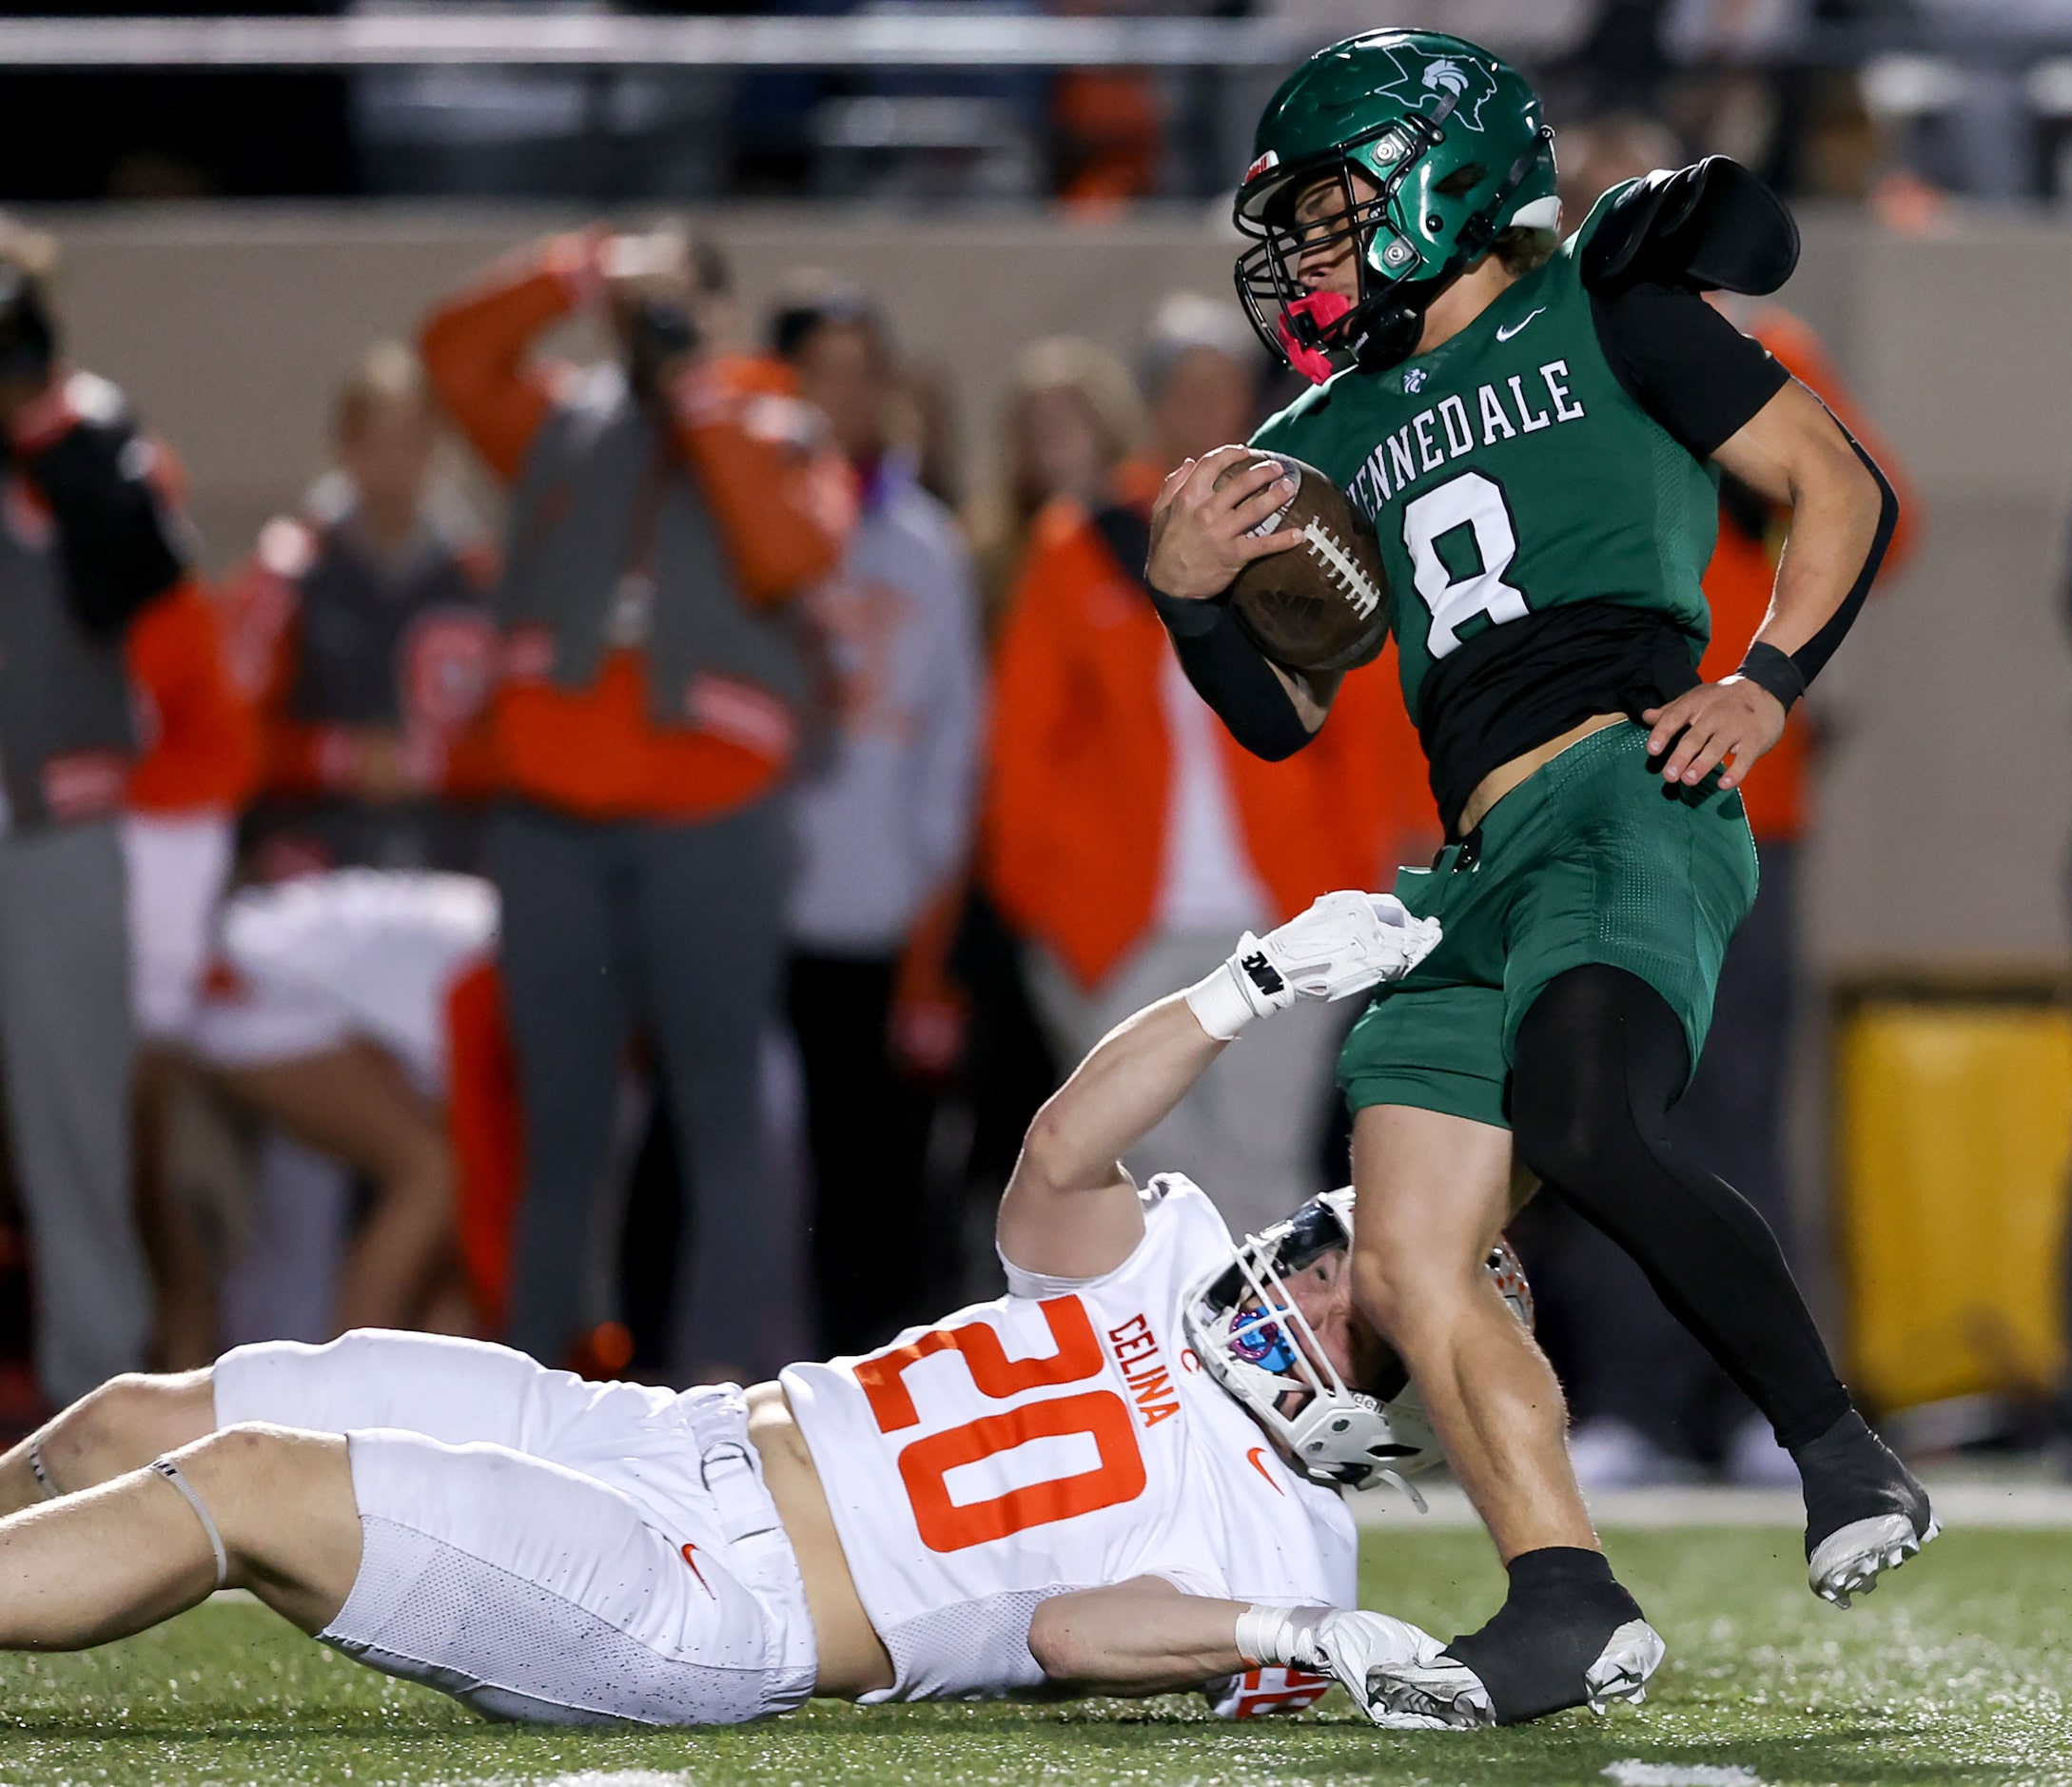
(1322, 605)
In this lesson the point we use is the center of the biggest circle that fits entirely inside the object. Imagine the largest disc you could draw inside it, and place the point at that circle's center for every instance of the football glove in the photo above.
(1360, 1651)
(1346, 943)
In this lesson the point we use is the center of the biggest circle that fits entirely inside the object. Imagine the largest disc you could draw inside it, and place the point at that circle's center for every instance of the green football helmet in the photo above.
(1454, 139)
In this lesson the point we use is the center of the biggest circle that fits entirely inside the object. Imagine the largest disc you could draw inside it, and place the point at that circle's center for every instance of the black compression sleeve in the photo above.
(1228, 673)
(1684, 362)
(1814, 654)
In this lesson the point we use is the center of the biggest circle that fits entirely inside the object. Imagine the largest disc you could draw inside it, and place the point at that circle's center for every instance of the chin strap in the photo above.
(1395, 1479)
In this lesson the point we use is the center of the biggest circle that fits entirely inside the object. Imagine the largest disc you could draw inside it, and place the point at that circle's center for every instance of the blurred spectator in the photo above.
(1654, 1407)
(1072, 416)
(364, 634)
(200, 762)
(884, 826)
(1128, 836)
(87, 539)
(665, 509)
(357, 1012)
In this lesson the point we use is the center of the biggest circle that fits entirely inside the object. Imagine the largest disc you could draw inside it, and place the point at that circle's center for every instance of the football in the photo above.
(1323, 606)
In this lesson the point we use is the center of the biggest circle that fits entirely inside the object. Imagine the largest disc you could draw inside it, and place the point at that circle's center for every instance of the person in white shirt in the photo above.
(1120, 1477)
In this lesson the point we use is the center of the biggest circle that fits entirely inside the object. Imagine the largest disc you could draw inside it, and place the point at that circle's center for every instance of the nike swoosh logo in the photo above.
(1258, 1456)
(1510, 329)
(690, 1559)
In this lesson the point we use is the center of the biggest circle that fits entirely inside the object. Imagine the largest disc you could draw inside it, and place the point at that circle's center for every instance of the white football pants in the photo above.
(541, 1548)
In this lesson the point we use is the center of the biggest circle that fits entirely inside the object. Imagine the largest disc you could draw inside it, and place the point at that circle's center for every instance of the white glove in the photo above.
(1364, 1653)
(1346, 943)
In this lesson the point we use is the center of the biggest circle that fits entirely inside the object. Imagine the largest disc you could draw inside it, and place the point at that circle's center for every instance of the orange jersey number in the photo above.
(924, 1465)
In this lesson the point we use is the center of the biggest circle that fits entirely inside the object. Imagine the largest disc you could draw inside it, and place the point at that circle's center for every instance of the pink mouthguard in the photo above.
(1320, 309)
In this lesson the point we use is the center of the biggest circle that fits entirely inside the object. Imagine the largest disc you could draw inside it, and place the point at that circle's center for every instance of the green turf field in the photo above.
(1958, 1670)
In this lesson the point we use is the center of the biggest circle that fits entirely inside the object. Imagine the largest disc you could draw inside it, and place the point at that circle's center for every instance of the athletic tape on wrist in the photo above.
(38, 1470)
(1276, 1636)
(167, 1469)
(1219, 1003)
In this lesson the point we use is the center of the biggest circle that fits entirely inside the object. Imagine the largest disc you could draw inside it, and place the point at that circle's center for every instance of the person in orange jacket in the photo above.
(665, 509)
(1126, 835)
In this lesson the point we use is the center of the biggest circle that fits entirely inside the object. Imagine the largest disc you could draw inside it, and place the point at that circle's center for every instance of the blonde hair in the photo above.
(33, 252)
(1522, 251)
(389, 372)
(999, 521)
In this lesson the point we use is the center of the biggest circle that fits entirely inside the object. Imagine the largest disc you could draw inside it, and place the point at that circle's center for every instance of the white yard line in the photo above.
(1959, 1502)
(1639, 1774)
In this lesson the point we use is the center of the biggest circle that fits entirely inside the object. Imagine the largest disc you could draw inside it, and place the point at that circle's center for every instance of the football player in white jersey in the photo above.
(1121, 1476)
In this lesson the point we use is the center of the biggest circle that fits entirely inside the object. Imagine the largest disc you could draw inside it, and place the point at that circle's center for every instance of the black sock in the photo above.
(1563, 1607)
(1600, 1059)
(1848, 1474)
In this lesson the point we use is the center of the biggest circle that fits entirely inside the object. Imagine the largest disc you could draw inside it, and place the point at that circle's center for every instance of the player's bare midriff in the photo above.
(1506, 777)
(852, 1660)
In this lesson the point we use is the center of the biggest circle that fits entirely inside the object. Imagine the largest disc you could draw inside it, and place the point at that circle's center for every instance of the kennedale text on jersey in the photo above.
(1138, 1358)
(1447, 430)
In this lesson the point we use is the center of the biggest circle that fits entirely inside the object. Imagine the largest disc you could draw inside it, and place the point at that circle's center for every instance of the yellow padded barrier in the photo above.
(1954, 1124)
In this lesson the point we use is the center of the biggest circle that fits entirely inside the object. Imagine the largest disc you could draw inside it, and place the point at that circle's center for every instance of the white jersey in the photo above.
(1062, 1437)
(312, 964)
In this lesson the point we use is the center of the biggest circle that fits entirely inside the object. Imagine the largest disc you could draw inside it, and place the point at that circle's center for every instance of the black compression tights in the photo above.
(1600, 1059)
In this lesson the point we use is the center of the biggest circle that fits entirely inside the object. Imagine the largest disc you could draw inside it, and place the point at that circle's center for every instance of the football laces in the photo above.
(1341, 567)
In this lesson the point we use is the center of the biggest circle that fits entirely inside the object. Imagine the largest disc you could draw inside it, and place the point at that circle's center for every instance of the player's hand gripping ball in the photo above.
(1323, 606)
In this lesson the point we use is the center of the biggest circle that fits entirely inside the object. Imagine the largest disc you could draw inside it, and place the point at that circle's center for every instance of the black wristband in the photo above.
(1771, 669)
(1185, 618)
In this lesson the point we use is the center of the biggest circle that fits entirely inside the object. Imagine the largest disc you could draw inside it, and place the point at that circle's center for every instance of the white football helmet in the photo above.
(1247, 1330)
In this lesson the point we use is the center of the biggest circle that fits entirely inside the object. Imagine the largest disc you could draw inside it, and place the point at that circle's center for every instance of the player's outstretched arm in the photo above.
(1843, 511)
(1070, 1210)
(1148, 1636)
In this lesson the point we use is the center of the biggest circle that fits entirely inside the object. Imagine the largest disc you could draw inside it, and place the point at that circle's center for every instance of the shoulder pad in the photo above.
(1712, 225)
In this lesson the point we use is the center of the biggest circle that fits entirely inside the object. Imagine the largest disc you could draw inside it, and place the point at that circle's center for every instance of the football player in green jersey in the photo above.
(1536, 428)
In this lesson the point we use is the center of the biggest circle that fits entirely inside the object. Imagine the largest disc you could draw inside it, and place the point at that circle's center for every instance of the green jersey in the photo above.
(1508, 472)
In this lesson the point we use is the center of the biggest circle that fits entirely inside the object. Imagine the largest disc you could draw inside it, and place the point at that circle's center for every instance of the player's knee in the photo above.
(263, 1465)
(130, 1419)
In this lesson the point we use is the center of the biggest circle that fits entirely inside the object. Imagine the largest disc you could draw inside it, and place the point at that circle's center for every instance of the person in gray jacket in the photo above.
(884, 814)
(666, 509)
(87, 540)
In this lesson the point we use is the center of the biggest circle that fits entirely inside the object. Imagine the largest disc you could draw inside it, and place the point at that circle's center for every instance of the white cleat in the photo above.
(1850, 1561)
(1441, 1695)
(1622, 1669)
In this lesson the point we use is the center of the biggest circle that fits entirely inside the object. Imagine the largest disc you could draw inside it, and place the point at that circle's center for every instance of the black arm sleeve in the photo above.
(120, 546)
(1685, 363)
(1814, 654)
(1228, 673)
(1224, 667)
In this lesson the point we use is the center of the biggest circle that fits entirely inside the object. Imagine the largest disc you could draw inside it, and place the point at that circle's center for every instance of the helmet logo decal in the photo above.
(1265, 164)
(1471, 85)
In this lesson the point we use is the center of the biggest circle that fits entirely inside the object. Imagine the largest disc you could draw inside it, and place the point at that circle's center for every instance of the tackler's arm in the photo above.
(1070, 1211)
